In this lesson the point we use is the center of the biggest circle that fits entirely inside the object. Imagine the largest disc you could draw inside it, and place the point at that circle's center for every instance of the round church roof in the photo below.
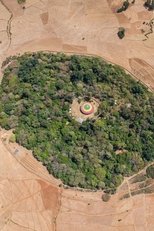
(87, 108)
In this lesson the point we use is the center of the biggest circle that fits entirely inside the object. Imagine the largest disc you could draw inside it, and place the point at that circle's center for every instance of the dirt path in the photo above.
(8, 29)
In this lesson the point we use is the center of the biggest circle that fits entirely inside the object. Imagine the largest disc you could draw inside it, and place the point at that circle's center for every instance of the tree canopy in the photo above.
(36, 94)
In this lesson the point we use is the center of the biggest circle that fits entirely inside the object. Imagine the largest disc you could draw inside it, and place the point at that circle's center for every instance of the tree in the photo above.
(149, 4)
(121, 33)
(124, 6)
(21, 1)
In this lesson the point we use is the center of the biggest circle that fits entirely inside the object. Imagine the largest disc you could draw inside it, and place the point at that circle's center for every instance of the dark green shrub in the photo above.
(150, 171)
(121, 33)
(21, 1)
(106, 197)
(124, 6)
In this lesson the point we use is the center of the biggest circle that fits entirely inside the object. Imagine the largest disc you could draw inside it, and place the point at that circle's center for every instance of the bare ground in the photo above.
(30, 199)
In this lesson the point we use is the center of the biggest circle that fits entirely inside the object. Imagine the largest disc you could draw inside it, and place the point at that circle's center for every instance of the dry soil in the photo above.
(30, 199)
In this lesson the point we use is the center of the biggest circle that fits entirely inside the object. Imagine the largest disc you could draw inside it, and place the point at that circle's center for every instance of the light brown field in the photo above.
(30, 199)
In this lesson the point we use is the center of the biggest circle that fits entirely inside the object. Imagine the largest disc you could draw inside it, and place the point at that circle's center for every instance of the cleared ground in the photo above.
(30, 199)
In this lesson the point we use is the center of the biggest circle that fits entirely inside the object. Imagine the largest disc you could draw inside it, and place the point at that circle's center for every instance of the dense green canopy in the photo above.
(36, 94)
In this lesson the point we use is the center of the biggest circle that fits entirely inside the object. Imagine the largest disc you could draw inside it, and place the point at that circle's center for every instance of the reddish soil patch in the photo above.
(49, 195)
(122, 18)
(44, 18)
(143, 15)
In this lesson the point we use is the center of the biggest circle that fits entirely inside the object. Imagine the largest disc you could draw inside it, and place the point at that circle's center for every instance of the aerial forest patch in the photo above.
(36, 95)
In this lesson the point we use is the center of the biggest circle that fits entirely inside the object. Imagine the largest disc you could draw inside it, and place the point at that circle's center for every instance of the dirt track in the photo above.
(30, 199)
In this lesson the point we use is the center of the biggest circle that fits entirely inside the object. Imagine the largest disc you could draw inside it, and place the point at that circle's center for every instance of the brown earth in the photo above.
(30, 199)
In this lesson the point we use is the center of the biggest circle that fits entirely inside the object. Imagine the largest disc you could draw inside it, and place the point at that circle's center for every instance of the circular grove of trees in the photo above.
(36, 93)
